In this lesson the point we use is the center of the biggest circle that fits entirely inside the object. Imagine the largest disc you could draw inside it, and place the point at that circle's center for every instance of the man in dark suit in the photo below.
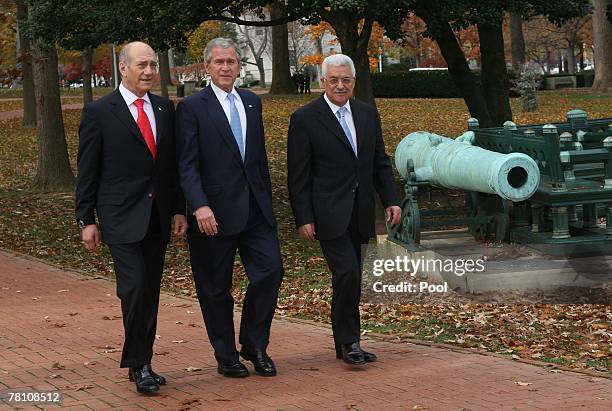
(224, 173)
(127, 176)
(336, 162)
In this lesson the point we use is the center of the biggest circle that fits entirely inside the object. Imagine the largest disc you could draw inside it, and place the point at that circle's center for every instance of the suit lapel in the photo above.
(158, 112)
(122, 112)
(330, 121)
(359, 119)
(219, 119)
(252, 120)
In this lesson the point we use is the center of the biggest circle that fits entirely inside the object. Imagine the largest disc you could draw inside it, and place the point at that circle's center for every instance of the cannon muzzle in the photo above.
(457, 164)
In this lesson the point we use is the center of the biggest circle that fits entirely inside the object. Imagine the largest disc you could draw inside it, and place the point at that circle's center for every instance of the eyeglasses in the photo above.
(346, 81)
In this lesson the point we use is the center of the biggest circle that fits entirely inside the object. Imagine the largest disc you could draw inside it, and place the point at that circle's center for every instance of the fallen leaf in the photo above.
(58, 366)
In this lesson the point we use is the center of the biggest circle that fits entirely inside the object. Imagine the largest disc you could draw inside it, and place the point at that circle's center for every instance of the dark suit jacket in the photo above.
(117, 175)
(324, 174)
(211, 169)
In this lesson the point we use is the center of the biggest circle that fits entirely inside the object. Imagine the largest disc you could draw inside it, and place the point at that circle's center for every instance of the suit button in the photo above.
(150, 195)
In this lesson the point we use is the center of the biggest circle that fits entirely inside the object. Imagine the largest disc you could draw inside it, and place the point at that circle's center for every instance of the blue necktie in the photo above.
(235, 124)
(341, 117)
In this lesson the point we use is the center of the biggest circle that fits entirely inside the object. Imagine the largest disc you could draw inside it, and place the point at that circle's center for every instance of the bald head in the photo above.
(138, 67)
(134, 46)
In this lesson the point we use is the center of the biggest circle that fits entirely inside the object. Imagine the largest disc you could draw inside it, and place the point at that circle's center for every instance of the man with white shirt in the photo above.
(127, 177)
(224, 173)
(336, 161)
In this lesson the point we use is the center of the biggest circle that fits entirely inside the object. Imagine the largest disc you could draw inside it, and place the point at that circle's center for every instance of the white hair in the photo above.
(337, 60)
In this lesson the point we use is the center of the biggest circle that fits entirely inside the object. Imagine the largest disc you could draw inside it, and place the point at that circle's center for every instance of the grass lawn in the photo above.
(42, 225)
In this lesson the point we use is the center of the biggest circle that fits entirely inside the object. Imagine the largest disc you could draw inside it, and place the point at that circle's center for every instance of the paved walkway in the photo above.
(62, 331)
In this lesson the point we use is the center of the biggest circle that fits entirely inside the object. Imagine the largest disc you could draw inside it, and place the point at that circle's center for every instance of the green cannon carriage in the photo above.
(535, 184)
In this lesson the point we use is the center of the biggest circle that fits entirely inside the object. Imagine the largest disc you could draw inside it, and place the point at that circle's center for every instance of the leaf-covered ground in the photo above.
(42, 225)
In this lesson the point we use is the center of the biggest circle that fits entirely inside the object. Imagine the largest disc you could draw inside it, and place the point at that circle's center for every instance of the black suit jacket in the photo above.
(324, 174)
(117, 175)
(211, 169)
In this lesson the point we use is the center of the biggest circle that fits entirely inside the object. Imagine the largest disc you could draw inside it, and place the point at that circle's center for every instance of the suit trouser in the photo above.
(343, 256)
(212, 262)
(138, 269)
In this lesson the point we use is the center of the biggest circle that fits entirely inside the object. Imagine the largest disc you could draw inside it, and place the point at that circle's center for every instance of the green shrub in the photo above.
(417, 84)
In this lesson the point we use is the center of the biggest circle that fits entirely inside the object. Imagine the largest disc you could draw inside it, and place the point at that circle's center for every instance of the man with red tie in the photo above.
(127, 177)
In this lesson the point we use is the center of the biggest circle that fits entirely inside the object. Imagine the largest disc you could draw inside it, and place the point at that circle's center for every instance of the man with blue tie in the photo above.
(224, 174)
(336, 161)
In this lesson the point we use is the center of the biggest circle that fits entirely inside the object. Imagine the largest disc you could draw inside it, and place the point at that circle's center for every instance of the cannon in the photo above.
(532, 184)
(428, 159)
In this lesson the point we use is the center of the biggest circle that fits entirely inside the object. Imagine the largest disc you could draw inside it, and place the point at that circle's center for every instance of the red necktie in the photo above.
(145, 126)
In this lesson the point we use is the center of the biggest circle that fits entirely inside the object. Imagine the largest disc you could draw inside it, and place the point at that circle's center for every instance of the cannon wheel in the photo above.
(408, 230)
(488, 217)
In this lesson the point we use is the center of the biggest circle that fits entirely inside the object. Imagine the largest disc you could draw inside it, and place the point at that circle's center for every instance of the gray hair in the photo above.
(124, 54)
(337, 60)
(223, 43)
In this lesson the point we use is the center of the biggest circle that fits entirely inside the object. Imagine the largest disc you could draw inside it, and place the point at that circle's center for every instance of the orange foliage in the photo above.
(312, 60)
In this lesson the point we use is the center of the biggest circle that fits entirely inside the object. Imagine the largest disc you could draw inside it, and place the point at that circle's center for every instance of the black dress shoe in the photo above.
(236, 370)
(367, 356)
(352, 354)
(145, 383)
(261, 361)
(158, 378)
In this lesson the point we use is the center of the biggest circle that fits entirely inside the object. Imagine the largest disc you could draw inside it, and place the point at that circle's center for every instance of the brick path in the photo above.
(62, 331)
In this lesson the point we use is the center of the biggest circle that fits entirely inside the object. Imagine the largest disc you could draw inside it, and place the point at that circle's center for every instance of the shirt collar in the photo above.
(335, 108)
(130, 97)
(222, 94)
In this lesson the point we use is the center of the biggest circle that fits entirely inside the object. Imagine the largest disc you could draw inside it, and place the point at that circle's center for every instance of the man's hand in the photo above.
(307, 231)
(179, 223)
(206, 220)
(91, 237)
(393, 214)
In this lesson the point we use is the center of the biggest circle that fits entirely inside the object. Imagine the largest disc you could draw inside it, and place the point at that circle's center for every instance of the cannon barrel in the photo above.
(457, 164)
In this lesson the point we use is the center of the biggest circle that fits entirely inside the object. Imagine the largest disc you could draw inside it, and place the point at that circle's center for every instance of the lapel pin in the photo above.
(250, 106)
(160, 109)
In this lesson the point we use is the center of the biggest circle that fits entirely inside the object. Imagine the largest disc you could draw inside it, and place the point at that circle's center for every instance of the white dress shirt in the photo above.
(222, 96)
(130, 98)
(348, 117)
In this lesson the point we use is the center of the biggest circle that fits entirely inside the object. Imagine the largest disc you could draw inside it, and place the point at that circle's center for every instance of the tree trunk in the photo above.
(602, 39)
(281, 74)
(25, 58)
(494, 74)
(571, 60)
(87, 64)
(517, 41)
(464, 79)
(549, 62)
(53, 172)
(355, 45)
(164, 72)
(262, 72)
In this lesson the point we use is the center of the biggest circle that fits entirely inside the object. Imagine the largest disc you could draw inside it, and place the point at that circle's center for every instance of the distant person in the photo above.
(301, 82)
(127, 177)
(307, 83)
(336, 162)
(296, 81)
